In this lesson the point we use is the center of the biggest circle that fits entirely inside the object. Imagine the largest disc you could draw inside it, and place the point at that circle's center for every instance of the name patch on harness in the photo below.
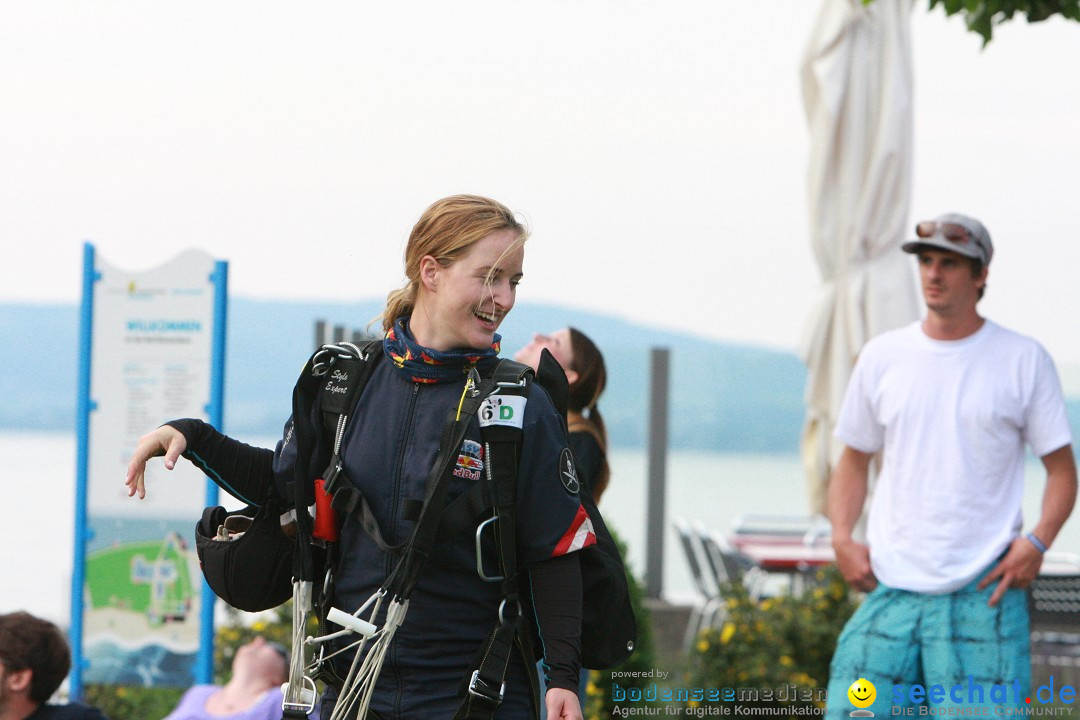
(506, 410)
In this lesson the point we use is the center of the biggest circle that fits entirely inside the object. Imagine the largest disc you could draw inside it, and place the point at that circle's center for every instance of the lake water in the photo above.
(37, 493)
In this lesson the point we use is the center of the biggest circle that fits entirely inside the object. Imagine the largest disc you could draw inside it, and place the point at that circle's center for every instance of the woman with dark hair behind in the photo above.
(586, 374)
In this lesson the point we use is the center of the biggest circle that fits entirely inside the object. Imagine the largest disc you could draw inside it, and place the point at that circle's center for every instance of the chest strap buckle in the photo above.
(480, 688)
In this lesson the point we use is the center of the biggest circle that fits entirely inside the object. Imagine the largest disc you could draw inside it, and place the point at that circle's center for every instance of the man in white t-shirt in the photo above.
(950, 403)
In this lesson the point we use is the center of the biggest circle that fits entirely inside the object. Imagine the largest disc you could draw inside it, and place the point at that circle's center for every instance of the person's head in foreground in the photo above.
(34, 660)
(463, 262)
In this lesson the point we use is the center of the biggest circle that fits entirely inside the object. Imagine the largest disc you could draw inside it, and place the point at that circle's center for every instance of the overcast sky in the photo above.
(658, 150)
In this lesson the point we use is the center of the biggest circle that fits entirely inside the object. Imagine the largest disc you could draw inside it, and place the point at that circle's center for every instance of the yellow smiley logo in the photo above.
(862, 693)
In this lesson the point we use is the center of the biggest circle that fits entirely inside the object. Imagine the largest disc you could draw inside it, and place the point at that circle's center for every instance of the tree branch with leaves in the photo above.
(982, 15)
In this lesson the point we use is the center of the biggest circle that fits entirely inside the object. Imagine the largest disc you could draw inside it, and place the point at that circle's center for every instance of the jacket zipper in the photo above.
(399, 463)
(395, 506)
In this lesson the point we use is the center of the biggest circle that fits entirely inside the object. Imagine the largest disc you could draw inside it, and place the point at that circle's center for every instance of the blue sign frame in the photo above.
(204, 669)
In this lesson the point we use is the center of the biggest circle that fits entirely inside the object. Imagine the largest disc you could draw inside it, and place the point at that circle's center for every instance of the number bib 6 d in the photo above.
(504, 410)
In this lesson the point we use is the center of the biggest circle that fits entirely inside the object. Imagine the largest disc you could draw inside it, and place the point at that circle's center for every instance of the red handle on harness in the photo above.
(326, 521)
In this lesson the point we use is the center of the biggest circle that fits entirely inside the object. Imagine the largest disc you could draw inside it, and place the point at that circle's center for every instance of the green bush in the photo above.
(118, 702)
(764, 650)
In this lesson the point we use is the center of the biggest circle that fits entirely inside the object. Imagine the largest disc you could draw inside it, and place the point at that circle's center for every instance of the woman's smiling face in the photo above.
(462, 304)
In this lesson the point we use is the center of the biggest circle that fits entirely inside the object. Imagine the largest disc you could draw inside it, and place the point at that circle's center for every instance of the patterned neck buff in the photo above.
(424, 365)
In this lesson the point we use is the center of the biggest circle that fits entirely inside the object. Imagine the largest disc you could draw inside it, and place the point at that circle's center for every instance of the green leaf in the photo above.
(981, 22)
(1042, 9)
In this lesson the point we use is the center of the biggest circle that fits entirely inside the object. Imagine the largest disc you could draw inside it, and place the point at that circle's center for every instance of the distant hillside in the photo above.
(39, 358)
(724, 397)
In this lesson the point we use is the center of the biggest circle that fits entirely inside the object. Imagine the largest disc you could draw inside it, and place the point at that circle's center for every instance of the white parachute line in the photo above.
(360, 683)
(301, 606)
(357, 645)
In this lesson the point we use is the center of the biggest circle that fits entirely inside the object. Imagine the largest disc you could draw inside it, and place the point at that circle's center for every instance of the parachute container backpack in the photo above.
(245, 557)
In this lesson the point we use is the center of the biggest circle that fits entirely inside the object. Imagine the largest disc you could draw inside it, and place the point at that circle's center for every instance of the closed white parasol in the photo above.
(857, 89)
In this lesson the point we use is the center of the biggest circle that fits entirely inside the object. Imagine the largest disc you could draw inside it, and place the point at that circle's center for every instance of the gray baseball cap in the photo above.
(956, 233)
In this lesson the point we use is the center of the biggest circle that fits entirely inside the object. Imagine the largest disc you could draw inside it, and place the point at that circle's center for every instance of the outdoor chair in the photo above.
(728, 565)
(708, 591)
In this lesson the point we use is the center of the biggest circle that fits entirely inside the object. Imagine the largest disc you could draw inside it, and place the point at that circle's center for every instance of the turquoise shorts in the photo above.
(958, 650)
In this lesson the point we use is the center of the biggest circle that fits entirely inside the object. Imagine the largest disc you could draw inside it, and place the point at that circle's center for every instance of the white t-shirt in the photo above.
(952, 418)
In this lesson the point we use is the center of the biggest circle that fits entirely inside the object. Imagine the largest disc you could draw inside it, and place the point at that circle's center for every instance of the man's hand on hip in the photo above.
(853, 559)
(1017, 569)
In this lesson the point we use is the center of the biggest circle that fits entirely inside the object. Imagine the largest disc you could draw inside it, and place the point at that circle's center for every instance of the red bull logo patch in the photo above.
(470, 462)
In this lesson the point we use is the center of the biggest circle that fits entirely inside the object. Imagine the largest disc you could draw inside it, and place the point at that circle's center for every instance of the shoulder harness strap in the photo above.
(501, 429)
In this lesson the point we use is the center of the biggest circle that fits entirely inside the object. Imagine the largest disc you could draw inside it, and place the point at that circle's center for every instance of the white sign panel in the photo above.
(150, 361)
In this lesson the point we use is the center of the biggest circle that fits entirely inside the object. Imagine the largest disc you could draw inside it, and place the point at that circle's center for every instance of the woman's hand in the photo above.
(167, 441)
(562, 704)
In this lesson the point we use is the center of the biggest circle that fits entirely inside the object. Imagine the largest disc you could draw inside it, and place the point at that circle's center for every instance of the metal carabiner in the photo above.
(480, 554)
(502, 607)
(303, 698)
(515, 384)
(327, 354)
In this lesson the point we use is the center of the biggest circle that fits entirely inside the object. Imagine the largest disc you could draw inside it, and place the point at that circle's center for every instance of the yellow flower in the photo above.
(726, 633)
(702, 645)
(786, 661)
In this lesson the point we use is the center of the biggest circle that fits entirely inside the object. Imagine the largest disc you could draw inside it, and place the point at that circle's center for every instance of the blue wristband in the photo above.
(1039, 544)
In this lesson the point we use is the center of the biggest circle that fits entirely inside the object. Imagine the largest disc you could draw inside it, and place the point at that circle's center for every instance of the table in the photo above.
(784, 557)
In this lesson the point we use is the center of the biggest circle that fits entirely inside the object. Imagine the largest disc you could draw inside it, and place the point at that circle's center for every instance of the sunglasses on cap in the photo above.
(953, 232)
